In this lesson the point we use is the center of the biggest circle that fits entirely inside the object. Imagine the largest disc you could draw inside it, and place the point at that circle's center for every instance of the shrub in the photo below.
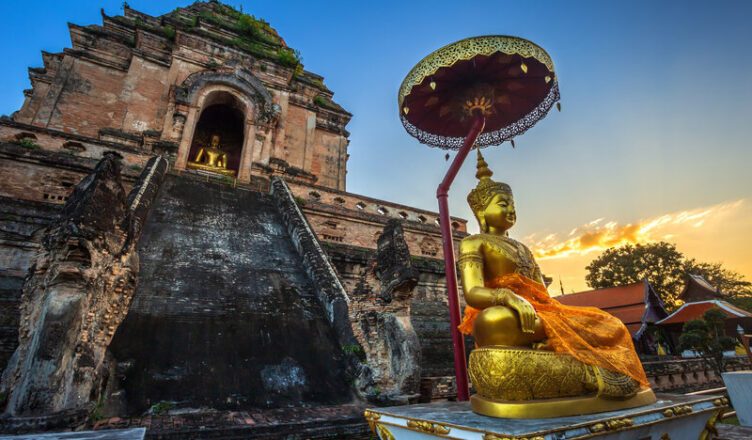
(169, 32)
(707, 337)
(26, 143)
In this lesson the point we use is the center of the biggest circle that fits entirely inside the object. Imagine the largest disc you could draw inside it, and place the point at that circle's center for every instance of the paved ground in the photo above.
(733, 432)
(315, 422)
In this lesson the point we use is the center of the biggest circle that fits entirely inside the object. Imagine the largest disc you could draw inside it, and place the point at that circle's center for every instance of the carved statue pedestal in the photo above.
(202, 168)
(510, 384)
(672, 416)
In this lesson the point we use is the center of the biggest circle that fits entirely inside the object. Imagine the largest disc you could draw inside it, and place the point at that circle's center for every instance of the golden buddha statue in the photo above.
(211, 159)
(535, 357)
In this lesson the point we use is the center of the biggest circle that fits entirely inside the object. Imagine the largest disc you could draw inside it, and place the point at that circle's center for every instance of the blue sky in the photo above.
(656, 98)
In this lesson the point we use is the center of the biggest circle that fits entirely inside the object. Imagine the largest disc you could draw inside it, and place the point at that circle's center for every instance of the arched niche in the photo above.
(223, 115)
(223, 109)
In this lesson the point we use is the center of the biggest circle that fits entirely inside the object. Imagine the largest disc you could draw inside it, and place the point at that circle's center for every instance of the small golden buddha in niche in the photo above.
(534, 356)
(212, 159)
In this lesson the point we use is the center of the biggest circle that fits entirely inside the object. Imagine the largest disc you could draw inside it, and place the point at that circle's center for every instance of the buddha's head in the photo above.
(491, 202)
(215, 141)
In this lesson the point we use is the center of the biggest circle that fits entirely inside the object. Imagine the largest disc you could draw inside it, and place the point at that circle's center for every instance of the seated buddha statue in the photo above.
(212, 159)
(534, 356)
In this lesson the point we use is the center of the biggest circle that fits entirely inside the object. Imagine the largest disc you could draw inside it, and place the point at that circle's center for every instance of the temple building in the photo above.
(213, 102)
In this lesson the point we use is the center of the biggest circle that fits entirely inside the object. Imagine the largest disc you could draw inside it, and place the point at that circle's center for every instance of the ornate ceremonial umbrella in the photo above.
(483, 91)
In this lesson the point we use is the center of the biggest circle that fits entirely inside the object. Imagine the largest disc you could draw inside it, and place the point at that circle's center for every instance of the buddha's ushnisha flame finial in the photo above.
(483, 170)
(486, 188)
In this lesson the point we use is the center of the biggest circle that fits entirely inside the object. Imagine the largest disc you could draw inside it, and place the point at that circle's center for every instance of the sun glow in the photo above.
(596, 236)
(719, 233)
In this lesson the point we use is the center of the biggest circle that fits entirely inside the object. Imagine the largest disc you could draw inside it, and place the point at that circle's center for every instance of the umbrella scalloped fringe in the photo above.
(486, 139)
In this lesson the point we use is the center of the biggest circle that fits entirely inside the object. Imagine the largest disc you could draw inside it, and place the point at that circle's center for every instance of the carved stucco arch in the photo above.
(199, 90)
(241, 80)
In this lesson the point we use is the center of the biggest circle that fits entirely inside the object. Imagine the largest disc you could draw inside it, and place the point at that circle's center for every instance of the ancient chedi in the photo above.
(209, 109)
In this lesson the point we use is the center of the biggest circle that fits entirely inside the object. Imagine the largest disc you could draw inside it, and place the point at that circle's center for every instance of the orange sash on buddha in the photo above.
(588, 334)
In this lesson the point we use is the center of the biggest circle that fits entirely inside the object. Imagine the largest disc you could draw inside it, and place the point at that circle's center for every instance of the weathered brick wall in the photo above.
(75, 146)
(352, 219)
(45, 176)
(428, 311)
(687, 375)
(120, 84)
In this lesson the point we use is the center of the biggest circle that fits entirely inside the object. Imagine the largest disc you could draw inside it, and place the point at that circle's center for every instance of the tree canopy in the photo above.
(666, 269)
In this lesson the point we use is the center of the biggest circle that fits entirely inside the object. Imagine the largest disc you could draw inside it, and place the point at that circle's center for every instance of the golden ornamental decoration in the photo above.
(383, 432)
(427, 427)
(467, 49)
(513, 374)
(482, 194)
(504, 437)
(710, 430)
(371, 417)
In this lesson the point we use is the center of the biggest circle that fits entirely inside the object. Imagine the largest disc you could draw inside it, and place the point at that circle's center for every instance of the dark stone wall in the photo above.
(223, 315)
(19, 219)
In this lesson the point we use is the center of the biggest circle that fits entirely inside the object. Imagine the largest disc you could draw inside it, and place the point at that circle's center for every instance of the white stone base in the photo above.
(672, 416)
(739, 387)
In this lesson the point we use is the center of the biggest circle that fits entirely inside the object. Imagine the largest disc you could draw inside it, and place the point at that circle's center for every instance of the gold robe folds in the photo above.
(588, 334)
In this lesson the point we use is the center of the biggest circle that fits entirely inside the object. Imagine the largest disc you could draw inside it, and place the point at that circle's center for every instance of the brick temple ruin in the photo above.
(137, 289)
(136, 281)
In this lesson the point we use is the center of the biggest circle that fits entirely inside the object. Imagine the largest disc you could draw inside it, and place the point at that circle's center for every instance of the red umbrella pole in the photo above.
(460, 367)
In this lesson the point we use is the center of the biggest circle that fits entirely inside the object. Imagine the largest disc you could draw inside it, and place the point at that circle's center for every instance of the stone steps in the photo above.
(225, 315)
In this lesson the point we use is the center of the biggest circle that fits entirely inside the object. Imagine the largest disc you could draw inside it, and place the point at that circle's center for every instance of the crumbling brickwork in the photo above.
(142, 83)
(77, 292)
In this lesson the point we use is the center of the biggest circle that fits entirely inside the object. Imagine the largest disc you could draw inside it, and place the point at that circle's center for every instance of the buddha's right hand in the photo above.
(524, 309)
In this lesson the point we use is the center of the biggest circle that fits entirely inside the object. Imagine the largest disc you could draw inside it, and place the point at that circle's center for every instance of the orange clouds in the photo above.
(595, 236)
(719, 233)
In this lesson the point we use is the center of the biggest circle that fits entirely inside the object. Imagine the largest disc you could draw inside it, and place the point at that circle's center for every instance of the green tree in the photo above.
(666, 269)
(707, 337)
(659, 262)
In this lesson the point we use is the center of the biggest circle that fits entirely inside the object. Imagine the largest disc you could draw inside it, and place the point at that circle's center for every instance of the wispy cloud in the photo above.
(596, 236)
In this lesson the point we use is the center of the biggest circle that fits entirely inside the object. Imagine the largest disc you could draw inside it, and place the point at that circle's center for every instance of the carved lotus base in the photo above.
(524, 383)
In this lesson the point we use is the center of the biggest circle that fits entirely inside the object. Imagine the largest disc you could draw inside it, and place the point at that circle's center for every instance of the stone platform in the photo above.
(114, 434)
(315, 423)
(671, 417)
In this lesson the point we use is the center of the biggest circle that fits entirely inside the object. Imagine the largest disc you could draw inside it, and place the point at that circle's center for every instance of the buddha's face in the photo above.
(500, 215)
(215, 141)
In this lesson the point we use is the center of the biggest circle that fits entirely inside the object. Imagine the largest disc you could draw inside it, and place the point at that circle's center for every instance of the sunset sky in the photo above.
(654, 141)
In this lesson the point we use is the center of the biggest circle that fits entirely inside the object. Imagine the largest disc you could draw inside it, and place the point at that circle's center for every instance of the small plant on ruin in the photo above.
(355, 349)
(288, 57)
(161, 407)
(169, 32)
(26, 143)
(299, 200)
(707, 337)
